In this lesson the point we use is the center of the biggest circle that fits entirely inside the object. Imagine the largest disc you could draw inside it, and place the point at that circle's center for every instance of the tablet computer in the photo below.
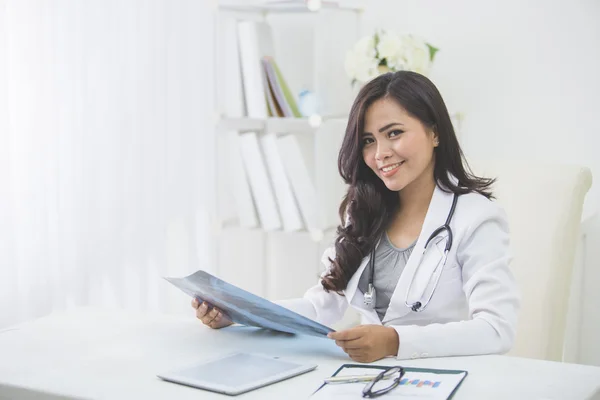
(236, 373)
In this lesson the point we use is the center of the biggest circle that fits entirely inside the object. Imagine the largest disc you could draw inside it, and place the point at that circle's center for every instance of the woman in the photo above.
(421, 290)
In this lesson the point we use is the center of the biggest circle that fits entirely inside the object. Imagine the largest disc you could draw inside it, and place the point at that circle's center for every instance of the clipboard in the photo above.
(457, 378)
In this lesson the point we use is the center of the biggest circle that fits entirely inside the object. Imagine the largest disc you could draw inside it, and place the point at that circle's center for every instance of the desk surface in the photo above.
(112, 355)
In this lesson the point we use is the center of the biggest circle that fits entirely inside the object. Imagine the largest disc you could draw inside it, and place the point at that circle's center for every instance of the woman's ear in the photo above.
(435, 137)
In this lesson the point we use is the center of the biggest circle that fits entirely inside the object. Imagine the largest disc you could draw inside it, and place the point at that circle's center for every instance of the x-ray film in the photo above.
(245, 308)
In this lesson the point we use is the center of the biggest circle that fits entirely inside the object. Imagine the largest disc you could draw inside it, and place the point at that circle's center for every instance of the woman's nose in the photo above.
(383, 151)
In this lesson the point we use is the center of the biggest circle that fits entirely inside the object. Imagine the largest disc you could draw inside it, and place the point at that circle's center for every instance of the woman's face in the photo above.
(396, 146)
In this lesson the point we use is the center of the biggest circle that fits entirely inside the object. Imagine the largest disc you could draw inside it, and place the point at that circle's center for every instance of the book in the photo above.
(280, 90)
(230, 96)
(289, 97)
(329, 185)
(260, 184)
(274, 108)
(238, 182)
(255, 41)
(275, 89)
(290, 214)
(299, 175)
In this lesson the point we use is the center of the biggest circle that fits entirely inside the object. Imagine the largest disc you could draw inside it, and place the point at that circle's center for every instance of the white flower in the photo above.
(360, 66)
(366, 46)
(389, 46)
(397, 62)
(393, 53)
(417, 54)
(361, 63)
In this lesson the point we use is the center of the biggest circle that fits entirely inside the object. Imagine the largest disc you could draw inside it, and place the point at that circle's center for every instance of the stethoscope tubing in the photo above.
(418, 306)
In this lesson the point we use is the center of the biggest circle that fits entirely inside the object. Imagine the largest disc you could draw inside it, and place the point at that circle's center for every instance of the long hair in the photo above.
(369, 206)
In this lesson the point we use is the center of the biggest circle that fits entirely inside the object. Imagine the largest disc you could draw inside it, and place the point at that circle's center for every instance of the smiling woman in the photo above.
(399, 143)
(389, 148)
(422, 252)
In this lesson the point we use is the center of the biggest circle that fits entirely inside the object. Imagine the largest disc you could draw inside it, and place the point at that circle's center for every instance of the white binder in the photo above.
(260, 184)
(304, 190)
(290, 214)
(255, 41)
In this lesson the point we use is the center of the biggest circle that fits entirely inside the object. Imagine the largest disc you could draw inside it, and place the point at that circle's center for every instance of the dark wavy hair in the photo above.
(369, 206)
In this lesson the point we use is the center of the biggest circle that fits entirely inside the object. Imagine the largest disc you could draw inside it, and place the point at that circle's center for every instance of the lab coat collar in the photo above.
(438, 209)
(437, 212)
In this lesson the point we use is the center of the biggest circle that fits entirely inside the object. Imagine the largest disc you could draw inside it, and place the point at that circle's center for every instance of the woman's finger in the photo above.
(216, 322)
(345, 350)
(340, 344)
(356, 355)
(201, 311)
(195, 303)
(348, 344)
(209, 317)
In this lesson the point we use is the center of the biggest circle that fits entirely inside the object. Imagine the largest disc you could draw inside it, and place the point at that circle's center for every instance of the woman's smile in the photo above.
(390, 169)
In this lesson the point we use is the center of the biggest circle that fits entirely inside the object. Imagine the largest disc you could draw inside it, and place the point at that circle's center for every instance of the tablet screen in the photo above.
(237, 373)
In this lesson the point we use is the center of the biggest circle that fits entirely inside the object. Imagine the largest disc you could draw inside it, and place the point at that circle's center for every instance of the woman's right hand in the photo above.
(210, 316)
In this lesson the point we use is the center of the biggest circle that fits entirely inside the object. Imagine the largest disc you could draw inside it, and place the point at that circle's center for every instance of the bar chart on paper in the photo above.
(413, 385)
(420, 383)
(428, 385)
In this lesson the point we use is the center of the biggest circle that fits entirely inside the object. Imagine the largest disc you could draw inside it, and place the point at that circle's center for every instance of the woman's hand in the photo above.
(367, 343)
(210, 316)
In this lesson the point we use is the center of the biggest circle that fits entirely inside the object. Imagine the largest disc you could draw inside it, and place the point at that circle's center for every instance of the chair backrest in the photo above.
(544, 204)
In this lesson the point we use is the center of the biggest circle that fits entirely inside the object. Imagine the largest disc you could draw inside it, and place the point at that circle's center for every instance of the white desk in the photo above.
(116, 355)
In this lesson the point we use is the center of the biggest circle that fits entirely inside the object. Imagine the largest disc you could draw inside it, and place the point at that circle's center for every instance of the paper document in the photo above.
(413, 385)
(245, 308)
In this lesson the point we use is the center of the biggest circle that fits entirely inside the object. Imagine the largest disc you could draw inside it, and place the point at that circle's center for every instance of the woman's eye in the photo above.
(395, 133)
(367, 141)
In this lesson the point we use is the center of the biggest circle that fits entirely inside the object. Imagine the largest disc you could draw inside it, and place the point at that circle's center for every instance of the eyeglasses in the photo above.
(381, 385)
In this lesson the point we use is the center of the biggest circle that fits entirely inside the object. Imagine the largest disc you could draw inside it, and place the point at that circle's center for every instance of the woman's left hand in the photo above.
(367, 343)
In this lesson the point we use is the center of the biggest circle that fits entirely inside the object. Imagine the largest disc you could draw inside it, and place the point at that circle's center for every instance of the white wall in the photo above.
(104, 105)
(525, 74)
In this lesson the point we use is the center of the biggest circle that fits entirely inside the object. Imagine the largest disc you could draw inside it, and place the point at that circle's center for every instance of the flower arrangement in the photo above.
(387, 51)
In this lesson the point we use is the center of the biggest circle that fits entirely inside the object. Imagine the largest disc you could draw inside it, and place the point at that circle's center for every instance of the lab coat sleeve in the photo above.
(317, 304)
(491, 292)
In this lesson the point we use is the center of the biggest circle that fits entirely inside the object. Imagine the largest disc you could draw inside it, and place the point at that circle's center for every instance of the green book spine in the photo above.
(286, 91)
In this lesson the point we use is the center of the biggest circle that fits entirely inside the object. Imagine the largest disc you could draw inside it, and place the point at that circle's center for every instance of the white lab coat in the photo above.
(474, 308)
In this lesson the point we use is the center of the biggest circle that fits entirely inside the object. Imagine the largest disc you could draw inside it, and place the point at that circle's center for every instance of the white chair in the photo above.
(544, 206)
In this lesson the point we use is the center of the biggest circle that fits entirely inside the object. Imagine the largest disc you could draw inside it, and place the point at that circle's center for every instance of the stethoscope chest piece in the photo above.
(369, 297)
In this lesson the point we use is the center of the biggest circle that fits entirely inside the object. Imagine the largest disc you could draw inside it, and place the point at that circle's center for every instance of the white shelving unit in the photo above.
(310, 53)
(290, 6)
(272, 124)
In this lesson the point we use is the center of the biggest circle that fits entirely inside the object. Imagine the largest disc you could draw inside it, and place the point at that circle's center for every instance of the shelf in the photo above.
(317, 38)
(287, 7)
(241, 124)
(317, 235)
(275, 125)
(292, 124)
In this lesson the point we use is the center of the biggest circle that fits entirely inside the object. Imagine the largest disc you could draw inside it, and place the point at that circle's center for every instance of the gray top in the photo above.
(389, 264)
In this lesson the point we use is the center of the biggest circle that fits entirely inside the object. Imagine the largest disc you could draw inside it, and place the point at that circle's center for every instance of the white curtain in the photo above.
(106, 143)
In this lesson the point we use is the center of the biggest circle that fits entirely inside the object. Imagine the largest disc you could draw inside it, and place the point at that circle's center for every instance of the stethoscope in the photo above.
(369, 296)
